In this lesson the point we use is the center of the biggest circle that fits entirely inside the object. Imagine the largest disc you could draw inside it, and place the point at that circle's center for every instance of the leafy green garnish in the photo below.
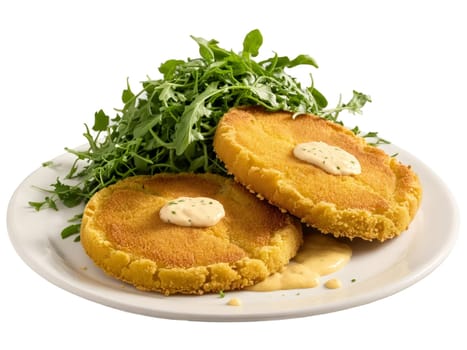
(48, 202)
(70, 230)
(169, 125)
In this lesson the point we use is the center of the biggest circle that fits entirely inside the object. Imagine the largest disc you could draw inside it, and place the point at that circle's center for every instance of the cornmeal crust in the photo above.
(123, 234)
(257, 148)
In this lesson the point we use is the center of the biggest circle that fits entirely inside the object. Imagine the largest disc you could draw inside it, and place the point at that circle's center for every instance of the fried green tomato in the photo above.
(257, 148)
(122, 232)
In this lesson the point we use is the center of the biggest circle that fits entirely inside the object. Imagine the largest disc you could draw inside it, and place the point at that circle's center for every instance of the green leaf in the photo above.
(72, 171)
(36, 205)
(204, 48)
(167, 93)
(319, 98)
(76, 218)
(252, 43)
(143, 128)
(101, 121)
(265, 94)
(184, 133)
(127, 95)
(197, 164)
(302, 60)
(69, 195)
(70, 230)
(282, 62)
(47, 203)
(357, 102)
(169, 67)
(373, 138)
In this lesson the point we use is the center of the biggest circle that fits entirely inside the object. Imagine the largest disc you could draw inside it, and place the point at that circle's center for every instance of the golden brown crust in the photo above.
(124, 235)
(256, 147)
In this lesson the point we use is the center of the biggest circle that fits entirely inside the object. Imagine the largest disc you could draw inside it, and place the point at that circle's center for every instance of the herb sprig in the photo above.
(169, 125)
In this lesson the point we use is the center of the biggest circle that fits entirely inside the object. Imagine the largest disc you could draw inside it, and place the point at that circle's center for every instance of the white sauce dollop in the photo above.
(192, 211)
(331, 159)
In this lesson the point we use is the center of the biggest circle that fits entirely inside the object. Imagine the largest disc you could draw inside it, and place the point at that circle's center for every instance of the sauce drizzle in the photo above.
(320, 255)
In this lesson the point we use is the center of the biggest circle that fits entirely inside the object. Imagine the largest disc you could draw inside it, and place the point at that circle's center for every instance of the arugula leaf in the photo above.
(48, 202)
(169, 67)
(354, 106)
(101, 121)
(70, 230)
(252, 43)
(302, 59)
(357, 102)
(264, 93)
(127, 96)
(69, 195)
(184, 132)
(319, 98)
(205, 48)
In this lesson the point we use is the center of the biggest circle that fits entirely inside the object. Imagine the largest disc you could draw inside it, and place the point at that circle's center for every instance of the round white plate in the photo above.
(375, 271)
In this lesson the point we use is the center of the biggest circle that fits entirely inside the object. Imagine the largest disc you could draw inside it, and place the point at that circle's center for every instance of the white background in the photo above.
(61, 61)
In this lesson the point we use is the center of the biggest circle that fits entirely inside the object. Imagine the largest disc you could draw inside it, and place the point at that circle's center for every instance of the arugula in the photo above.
(169, 125)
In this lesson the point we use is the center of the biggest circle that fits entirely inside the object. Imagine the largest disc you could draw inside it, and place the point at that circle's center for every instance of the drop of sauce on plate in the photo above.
(333, 283)
(234, 302)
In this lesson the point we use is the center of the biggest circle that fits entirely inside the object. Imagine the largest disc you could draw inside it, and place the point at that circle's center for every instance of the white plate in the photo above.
(379, 270)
